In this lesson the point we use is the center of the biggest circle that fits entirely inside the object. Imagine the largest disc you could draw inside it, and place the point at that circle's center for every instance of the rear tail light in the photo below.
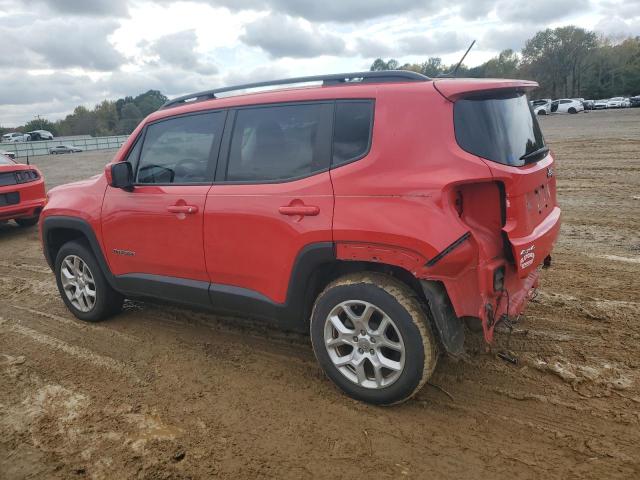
(26, 176)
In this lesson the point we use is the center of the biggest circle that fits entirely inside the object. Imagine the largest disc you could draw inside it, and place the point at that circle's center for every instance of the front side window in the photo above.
(280, 142)
(179, 150)
(352, 130)
(499, 127)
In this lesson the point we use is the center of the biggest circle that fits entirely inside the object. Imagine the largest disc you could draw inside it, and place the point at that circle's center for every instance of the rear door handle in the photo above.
(303, 210)
(188, 209)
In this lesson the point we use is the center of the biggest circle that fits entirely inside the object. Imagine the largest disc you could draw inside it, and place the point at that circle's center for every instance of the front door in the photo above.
(154, 231)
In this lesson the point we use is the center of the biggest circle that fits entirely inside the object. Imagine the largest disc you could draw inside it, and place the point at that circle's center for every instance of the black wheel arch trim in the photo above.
(450, 328)
(53, 222)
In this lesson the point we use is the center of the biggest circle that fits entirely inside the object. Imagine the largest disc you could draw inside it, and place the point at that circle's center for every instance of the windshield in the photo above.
(501, 128)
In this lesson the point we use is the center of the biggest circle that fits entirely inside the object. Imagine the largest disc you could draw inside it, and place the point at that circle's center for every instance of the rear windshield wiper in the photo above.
(541, 152)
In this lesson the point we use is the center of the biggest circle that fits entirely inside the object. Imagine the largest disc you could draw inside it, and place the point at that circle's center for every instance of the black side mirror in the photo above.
(122, 175)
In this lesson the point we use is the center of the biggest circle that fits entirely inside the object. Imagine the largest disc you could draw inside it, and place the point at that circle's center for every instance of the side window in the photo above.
(352, 130)
(179, 150)
(280, 142)
(134, 153)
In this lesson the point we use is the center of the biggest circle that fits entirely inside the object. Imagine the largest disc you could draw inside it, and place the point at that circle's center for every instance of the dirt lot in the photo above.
(164, 392)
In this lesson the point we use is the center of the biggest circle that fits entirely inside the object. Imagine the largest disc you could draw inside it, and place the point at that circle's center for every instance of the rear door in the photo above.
(156, 228)
(272, 197)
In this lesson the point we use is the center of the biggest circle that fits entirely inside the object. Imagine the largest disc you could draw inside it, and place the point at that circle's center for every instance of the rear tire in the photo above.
(27, 222)
(572, 110)
(371, 362)
(82, 284)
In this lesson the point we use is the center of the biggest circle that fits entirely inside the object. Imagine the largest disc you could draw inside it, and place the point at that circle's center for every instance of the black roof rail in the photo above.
(384, 76)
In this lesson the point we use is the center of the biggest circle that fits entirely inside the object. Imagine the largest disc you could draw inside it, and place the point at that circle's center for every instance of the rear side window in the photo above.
(352, 130)
(280, 142)
(502, 128)
(179, 150)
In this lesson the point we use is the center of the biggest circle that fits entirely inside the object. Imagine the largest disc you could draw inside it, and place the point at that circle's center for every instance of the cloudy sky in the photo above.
(57, 54)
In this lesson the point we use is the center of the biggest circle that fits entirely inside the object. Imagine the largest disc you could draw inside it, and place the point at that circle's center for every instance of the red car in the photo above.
(22, 194)
(378, 210)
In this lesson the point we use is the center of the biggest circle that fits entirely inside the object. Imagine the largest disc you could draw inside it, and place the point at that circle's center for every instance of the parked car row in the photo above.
(35, 135)
(547, 106)
(615, 102)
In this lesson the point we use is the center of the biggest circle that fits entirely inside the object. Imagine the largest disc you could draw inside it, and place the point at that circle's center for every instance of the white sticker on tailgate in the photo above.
(527, 256)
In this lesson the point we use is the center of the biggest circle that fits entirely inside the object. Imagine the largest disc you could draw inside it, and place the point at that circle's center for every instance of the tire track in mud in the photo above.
(78, 352)
(77, 324)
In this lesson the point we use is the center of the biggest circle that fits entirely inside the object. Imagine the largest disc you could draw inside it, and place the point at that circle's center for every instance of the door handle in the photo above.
(302, 210)
(188, 209)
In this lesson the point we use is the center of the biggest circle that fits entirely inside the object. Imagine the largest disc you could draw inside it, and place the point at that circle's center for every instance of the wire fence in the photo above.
(35, 148)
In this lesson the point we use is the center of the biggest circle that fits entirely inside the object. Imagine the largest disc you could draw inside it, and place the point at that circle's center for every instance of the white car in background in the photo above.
(13, 137)
(566, 105)
(615, 102)
(542, 106)
(600, 104)
(40, 135)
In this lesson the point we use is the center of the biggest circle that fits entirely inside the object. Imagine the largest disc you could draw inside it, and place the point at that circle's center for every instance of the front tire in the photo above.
(372, 338)
(82, 284)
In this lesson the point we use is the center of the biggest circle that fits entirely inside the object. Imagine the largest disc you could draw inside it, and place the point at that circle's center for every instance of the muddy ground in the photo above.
(164, 392)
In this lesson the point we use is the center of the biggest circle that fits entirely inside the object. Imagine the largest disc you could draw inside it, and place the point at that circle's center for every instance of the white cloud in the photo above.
(283, 36)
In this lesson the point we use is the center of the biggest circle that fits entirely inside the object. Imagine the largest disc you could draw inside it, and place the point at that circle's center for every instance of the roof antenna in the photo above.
(455, 70)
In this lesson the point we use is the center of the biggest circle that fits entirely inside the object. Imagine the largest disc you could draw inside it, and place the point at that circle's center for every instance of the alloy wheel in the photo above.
(78, 283)
(364, 344)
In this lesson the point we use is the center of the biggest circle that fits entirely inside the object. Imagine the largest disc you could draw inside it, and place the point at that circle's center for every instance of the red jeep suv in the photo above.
(21, 192)
(379, 210)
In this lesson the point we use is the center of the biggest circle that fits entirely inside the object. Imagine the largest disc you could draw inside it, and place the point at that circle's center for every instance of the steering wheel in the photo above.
(189, 169)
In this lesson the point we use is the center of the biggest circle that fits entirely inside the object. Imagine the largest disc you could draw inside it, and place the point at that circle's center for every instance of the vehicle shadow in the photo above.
(10, 229)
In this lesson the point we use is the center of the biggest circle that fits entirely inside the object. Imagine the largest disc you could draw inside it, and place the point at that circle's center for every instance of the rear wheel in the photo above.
(372, 338)
(573, 110)
(82, 285)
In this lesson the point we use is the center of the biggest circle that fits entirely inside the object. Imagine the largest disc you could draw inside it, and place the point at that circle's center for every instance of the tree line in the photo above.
(566, 61)
(106, 118)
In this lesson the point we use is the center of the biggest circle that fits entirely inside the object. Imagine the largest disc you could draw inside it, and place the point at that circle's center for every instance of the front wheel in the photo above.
(372, 338)
(82, 285)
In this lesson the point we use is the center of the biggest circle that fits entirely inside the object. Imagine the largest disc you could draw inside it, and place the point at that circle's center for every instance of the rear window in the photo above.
(352, 130)
(500, 128)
